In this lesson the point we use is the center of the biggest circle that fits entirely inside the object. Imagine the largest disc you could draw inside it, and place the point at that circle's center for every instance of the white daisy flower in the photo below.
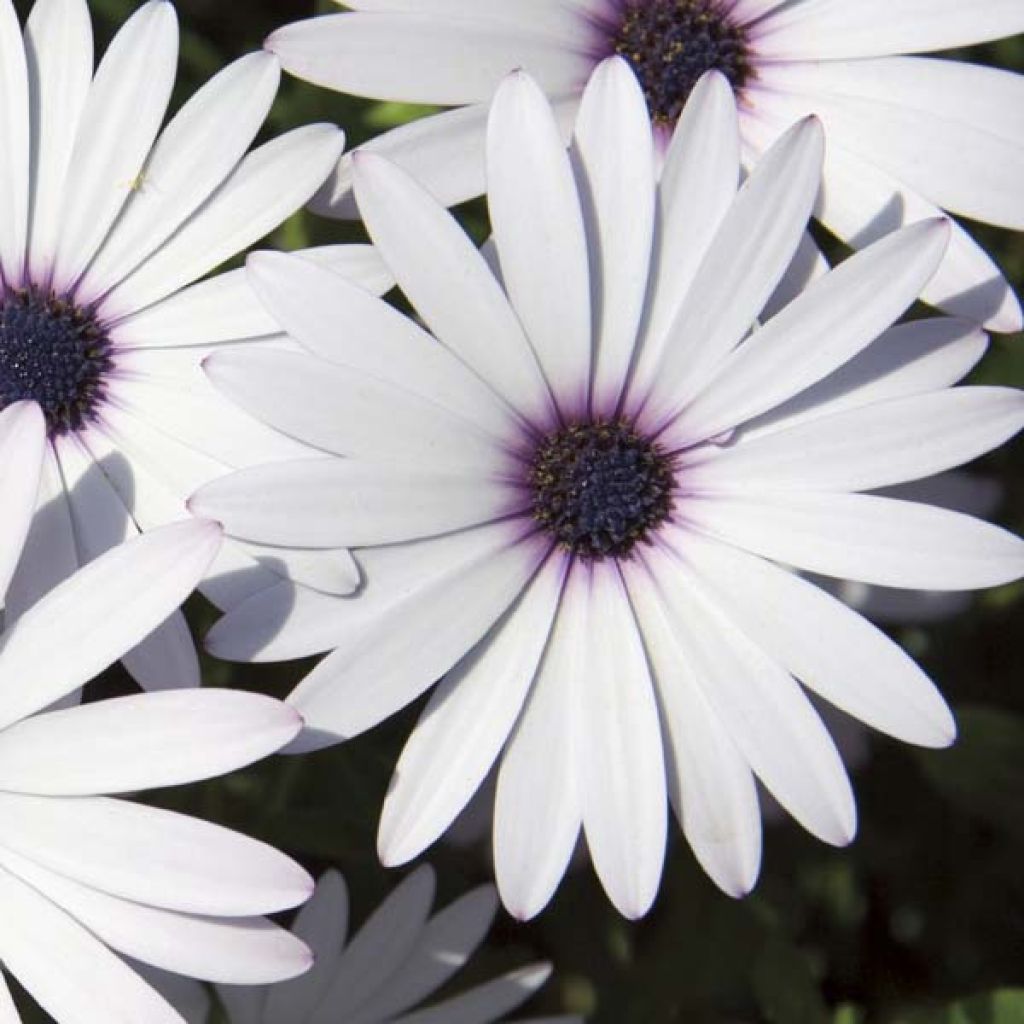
(574, 504)
(83, 876)
(103, 222)
(907, 136)
(897, 608)
(395, 961)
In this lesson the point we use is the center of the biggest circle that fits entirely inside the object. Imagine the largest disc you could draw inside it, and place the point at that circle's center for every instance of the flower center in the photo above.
(599, 488)
(671, 43)
(54, 353)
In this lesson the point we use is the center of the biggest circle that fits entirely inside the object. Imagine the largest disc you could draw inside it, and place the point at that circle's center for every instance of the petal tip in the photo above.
(391, 852)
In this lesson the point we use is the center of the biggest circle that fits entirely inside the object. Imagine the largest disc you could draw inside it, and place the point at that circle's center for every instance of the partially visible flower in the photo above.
(393, 963)
(104, 221)
(573, 500)
(907, 135)
(83, 876)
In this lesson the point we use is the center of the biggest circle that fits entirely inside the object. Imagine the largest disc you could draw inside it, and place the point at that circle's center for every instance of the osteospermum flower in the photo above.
(906, 135)
(955, 490)
(575, 503)
(393, 963)
(83, 876)
(103, 222)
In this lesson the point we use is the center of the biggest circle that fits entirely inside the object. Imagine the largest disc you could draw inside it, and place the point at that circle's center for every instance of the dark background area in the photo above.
(924, 911)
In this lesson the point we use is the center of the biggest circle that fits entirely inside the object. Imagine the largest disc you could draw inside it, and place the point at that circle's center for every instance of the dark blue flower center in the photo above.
(54, 353)
(671, 43)
(600, 488)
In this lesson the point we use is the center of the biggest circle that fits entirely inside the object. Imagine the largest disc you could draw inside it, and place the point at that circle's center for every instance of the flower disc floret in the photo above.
(600, 487)
(671, 43)
(52, 352)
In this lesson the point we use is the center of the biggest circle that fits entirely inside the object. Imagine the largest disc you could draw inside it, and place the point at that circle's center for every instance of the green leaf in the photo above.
(785, 986)
(983, 773)
(847, 1013)
(1003, 1006)
(387, 114)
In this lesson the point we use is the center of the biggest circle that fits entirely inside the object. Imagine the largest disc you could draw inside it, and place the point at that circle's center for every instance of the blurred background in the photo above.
(920, 921)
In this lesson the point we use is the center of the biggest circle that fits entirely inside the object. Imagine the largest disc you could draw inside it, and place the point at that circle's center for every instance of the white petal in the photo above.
(346, 503)
(225, 307)
(949, 130)
(140, 742)
(564, 20)
(22, 450)
(860, 203)
(284, 622)
(622, 764)
(444, 152)
(92, 983)
(235, 950)
(807, 265)
(897, 609)
(862, 449)
(358, 263)
(711, 786)
(270, 184)
(447, 280)
(415, 57)
(310, 303)
(88, 622)
(826, 29)
(49, 555)
(194, 154)
(485, 1003)
(763, 709)
(322, 924)
(218, 309)
(537, 812)
(834, 320)
(908, 359)
(154, 473)
(376, 953)
(122, 115)
(402, 642)
(332, 571)
(14, 154)
(750, 252)
(188, 997)
(614, 163)
(960, 491)
(540, 237)
(865, 537)
(346, 412)
(166, 393)
(152, 856)
(828, 647)
(698, 185)
(444, 946)
(166, 659)
(89, 467)
(58, 45)
(277, 623)
(469, 717)
(99, 520)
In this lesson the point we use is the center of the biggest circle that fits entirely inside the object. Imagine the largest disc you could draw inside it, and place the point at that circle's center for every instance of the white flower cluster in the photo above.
(583, 491)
